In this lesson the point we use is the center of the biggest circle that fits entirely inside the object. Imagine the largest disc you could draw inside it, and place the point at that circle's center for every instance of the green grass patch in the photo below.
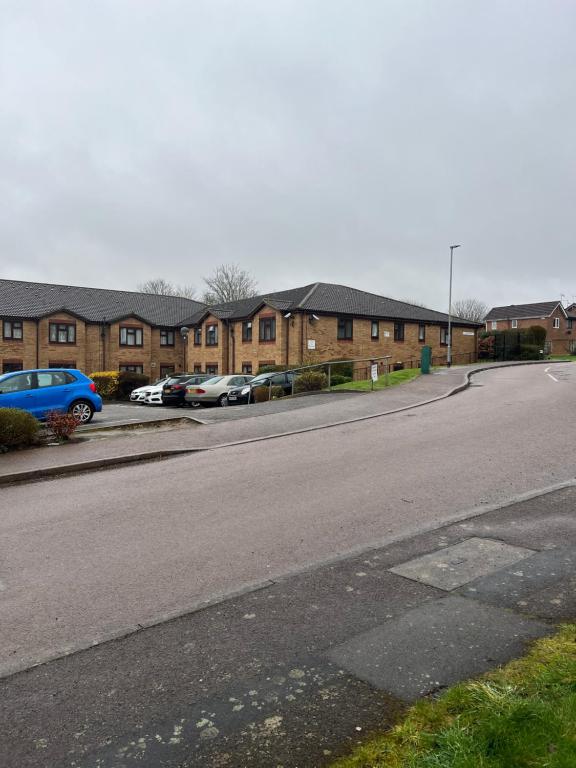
(522, 715)
(394, 377)
(562, 357)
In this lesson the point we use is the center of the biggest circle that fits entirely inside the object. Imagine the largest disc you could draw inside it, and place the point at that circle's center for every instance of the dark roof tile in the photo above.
(34, 300)
(538, 309)
(328, 298)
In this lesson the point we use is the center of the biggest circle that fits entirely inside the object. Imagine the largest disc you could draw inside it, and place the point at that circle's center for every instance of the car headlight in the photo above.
(245, 390)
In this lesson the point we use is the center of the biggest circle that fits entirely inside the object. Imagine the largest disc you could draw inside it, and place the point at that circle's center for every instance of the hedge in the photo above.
(336, 379)
(117, 385)
(106, 383)
(17, 428)
(517, 344)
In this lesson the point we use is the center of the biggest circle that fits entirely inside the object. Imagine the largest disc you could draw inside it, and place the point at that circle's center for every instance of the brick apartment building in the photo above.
(560, 323)
(92, 329)
(97, 329)
(316, 323)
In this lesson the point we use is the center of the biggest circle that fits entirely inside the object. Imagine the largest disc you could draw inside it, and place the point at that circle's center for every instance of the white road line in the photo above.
(552, 377)
(547, 369)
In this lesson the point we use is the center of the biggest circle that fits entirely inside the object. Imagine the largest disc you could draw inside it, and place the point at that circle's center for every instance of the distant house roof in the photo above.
(327, 298)
(35, 300)
(518, 311)
(571, 311)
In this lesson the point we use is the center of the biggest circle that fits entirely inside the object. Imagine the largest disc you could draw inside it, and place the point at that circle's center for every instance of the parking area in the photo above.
(131, 414)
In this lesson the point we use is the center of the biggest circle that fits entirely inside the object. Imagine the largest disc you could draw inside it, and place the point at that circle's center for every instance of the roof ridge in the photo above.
(309, 294)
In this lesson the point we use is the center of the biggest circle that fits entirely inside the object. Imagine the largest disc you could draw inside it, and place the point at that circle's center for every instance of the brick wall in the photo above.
(72, 354)
(19, 352)
(95, 347)
(301, 339)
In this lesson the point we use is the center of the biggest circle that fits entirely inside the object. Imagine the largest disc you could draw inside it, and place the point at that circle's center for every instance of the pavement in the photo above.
(297, 672)
(178, 429)
(244, 606)
(131, 414)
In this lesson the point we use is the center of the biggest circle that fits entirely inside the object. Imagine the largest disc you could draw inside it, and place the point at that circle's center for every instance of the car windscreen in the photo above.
(260, 380)
(213, 380)
(177, 380)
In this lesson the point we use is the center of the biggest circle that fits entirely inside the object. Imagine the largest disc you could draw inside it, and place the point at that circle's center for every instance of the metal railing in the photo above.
(386, 364)
(330, 365)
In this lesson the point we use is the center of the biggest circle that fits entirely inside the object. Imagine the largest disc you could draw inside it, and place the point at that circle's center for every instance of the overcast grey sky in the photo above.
(345, 141)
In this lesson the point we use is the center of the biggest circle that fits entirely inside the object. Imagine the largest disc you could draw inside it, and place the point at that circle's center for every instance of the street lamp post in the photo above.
(184, 333)
(449, 354)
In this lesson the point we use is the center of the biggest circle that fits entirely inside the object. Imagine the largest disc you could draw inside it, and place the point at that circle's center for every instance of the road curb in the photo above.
(133, 458)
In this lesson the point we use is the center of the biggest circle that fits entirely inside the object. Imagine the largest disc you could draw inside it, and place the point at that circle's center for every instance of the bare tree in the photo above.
(163, 287)
(228, 282)
(414, 303)
(470, 309)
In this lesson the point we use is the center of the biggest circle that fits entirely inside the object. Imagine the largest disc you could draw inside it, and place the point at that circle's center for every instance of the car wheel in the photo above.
(82, 410)
(223, 400)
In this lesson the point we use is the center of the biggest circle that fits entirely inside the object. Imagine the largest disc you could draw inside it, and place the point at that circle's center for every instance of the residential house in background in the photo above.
(92, 329)
(560, 323)
(317, 323)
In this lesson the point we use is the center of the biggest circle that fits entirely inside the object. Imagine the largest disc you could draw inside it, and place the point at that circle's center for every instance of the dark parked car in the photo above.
(174, 390)
(243, 395)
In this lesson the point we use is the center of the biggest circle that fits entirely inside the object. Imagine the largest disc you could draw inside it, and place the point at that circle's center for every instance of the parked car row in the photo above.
(198, 390)
(69, 390)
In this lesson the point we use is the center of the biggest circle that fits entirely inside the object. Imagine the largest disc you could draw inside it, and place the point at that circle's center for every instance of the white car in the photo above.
(138, 395)
(154, 394)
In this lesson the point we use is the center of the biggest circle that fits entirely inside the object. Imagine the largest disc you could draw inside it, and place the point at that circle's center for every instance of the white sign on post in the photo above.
(374, 372)
(311, 343)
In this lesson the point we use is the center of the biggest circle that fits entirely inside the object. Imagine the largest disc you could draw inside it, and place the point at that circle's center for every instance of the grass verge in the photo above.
(562, 357)
(522, 715)
(394, 377)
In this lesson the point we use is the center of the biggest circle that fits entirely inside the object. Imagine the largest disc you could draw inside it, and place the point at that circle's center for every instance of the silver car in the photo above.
(214, 391)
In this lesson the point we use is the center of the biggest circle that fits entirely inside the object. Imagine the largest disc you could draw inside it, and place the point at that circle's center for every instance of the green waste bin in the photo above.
(426, 359)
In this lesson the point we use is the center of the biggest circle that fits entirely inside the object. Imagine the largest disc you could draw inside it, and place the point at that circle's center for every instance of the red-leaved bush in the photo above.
(62, 425)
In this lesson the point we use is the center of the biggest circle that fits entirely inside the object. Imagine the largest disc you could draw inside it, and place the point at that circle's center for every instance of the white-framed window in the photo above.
(494, 325)
(556, 322)
(514, 323)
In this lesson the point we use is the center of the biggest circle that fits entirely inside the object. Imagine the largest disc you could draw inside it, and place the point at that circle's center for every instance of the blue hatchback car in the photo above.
(51, 389)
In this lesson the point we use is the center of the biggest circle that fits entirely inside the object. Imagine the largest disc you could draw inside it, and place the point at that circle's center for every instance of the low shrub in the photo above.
(106, 383)
(17, 428)
(311, 381)
(344, 368)
(261, 394)
(62, 425)
(530, 352)
(277, 393)
(337, 379)
(128, 380)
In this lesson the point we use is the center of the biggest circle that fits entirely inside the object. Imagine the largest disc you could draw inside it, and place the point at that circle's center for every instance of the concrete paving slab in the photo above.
(539, 585)
(435, 645)
(453, 566)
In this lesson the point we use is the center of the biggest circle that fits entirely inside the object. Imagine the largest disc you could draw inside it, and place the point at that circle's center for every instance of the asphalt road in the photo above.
(91, 557)
(120, 414)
